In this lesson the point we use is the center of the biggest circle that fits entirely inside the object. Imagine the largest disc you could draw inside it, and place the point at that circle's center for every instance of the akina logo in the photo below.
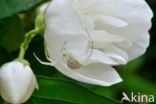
(141, 98)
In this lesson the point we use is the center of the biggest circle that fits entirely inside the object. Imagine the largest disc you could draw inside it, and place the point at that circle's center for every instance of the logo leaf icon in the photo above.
(125, 97)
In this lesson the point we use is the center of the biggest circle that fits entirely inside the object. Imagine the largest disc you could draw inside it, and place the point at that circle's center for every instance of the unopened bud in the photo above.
(17, 82)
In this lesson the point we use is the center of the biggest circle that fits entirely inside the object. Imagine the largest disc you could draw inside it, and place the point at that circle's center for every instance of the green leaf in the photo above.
(135, 83)
(134, 65)
(11, 7)
(35, 100)
(68, 91)
(11, 33)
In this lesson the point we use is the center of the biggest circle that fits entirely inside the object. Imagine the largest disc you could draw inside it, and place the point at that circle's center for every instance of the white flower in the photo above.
(17, 82)
(85, 38)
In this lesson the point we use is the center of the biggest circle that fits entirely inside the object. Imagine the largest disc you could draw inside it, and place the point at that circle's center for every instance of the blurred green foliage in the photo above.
(11, 7)
(17, 17)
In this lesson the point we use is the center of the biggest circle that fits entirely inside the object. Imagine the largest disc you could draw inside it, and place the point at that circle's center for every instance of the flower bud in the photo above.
(17, 82)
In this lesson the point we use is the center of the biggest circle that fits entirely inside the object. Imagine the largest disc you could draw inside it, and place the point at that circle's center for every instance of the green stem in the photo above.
(28, 37)
(39, 28)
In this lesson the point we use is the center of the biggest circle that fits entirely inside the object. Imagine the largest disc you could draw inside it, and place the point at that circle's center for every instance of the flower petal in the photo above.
(137, 14)
(64, 29)
(139, 46)
(118, 55)
(102, 39)
(110, 21)
(98, 56)
(129, 22)
(97, 74)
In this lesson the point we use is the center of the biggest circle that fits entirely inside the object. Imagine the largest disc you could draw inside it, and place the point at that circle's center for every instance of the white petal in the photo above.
(99, 57)
(88, 22)
(139, 46)
(102, 38)
(118, 55)
(128, 21)
(136, 14)
(97, 74)
(64, 28)
(110, 21)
